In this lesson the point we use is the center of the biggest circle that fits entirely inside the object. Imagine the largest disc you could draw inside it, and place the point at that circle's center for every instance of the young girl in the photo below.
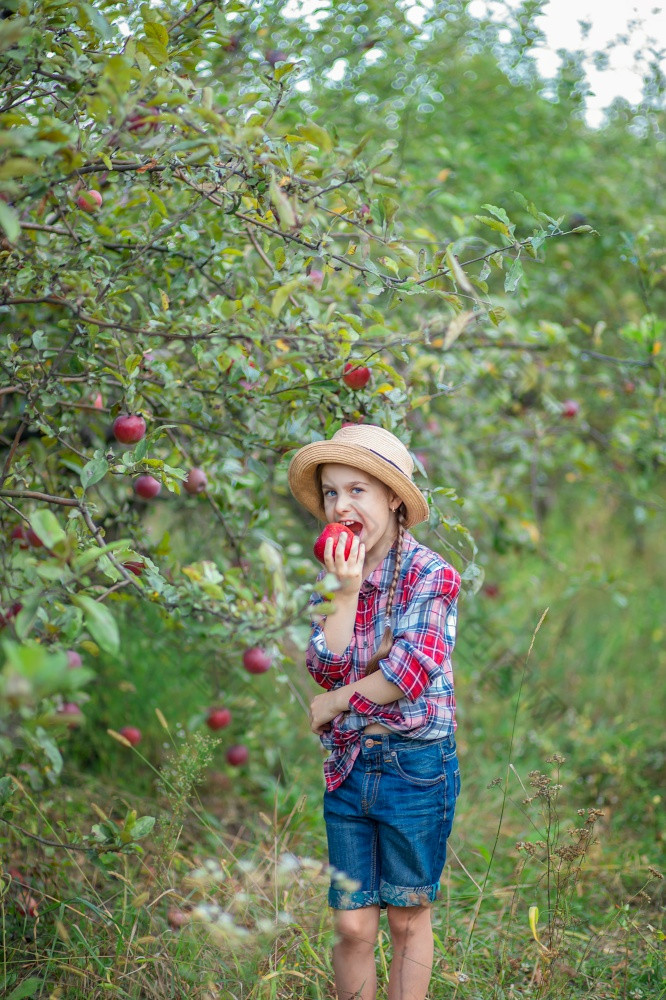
(387, 717)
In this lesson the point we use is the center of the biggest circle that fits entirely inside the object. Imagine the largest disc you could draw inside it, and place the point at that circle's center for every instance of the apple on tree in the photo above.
(147, 487)
(570, 408)
(89, 201)
(237, 755)
(129, 428)
(356, 376)
(196, 482)
(256, 660)
(218, 718)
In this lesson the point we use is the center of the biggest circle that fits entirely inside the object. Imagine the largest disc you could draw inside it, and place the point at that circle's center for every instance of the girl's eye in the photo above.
(329, 493)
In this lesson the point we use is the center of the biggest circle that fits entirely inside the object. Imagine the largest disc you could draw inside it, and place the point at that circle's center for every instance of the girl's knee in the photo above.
(407, 920)
(358, 927)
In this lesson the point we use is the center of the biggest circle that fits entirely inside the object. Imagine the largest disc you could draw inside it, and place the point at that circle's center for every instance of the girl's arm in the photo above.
(375, 688)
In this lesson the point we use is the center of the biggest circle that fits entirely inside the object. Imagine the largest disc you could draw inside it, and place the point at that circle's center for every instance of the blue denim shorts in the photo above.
(389, 821)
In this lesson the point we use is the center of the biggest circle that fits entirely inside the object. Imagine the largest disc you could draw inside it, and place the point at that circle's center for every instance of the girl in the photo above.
(387, 717)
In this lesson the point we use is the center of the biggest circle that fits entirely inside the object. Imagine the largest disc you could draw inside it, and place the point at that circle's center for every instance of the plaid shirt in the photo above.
(424, 621)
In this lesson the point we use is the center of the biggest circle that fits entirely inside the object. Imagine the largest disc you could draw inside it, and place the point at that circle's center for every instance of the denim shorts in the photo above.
(388, 822)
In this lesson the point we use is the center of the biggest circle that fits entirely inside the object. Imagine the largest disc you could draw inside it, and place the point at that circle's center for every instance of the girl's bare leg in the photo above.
(354, 953)
(411, 968)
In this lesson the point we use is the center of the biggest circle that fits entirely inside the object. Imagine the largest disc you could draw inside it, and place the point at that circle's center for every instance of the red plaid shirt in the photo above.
(424, 622)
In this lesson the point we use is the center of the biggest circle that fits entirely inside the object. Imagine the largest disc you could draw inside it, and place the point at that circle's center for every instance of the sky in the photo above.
(608, 20)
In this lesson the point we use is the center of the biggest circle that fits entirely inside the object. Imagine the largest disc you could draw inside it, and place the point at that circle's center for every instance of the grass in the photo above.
(566, 740)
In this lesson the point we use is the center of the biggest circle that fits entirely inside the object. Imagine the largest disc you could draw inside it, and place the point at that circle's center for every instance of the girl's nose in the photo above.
(341, 505)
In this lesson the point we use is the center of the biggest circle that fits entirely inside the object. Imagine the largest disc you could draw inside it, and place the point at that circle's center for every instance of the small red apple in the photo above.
(570, 408)
(628, 386)
(316, 278)
(131, 734)
(138, 121)
(256, 660)
(218, 718)
(19, 535)
(491, 590)
(196, 481)
(33, 538)
(89, 201)
(129, 428)
(147, 487)
(274, 56)
(73, 713)
(237, 755)
(334, 531)
(176, 918)
(74, 660)
(98, 402)
(8, 616)
(356, 376)
(134, 567)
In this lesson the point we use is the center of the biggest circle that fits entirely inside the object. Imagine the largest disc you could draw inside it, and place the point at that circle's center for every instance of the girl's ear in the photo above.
(394, 501)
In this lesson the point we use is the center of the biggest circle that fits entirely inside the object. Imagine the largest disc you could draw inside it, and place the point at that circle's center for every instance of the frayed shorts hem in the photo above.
(388, 895)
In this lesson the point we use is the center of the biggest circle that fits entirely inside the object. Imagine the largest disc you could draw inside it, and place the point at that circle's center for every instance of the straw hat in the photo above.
(366, 447)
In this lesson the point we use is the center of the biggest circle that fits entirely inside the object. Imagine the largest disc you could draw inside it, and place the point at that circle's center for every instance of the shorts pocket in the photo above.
(422, 766)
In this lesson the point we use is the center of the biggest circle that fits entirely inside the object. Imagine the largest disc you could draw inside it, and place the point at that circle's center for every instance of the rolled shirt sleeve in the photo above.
(327, 668)
(424, 635)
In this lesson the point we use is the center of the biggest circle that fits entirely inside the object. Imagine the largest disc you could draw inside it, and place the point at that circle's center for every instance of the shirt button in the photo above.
(369, 743)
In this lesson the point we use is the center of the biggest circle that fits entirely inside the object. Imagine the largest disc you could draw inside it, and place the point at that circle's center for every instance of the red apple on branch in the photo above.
(129, 428)
(89, 201)
(256, 660)
(237, 755)
(570, 408)
(356, 376)
(334, 531)
(218, 718)
(196, 481)
(147, 487)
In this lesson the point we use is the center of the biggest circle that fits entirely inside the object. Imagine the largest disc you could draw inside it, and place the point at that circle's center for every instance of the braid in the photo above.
(386, 643)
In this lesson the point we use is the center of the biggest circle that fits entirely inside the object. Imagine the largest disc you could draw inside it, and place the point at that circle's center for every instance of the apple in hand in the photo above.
(89, 201)
(237, 755)
(333, 530)
(256, 660)
(355, 376)
(147, 487)
(131, 734)
(129, 428)
(196, 481)
(218, 718)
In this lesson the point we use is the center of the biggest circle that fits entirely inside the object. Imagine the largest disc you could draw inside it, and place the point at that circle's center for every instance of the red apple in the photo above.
(237, 755)
(570, 408)
(33, 538)
(131, 734)
(316, 278)
(8, 616)
(356, 377)
(89, 201)
(256, 660)
(491, 590)
(138, 122)
(19, 535)
(129, 428)
(274, 56)
(98, 402)
(196, 481)
(629, 386)
(176, 918)
(134, 567)
(73, 713)
(218, 718)
(147, 487)
(333, 530)
(74, 660)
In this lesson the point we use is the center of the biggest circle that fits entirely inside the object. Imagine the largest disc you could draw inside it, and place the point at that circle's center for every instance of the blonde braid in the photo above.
(386, 643)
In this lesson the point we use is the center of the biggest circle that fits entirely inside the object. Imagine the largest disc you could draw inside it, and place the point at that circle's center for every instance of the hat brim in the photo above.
(303, 477)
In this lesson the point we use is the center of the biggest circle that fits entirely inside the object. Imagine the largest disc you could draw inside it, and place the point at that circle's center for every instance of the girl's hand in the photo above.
(349, 572)
(323, 708)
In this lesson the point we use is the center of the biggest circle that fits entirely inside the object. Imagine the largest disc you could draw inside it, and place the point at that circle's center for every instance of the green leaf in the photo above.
(499, 213)
(317, 135)
(93, 471)
(27, 988)
(514, 275)
(142, 827)
(501, 227)
(100, 622)
(45, 525)
(9, 222)
(282, 205)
